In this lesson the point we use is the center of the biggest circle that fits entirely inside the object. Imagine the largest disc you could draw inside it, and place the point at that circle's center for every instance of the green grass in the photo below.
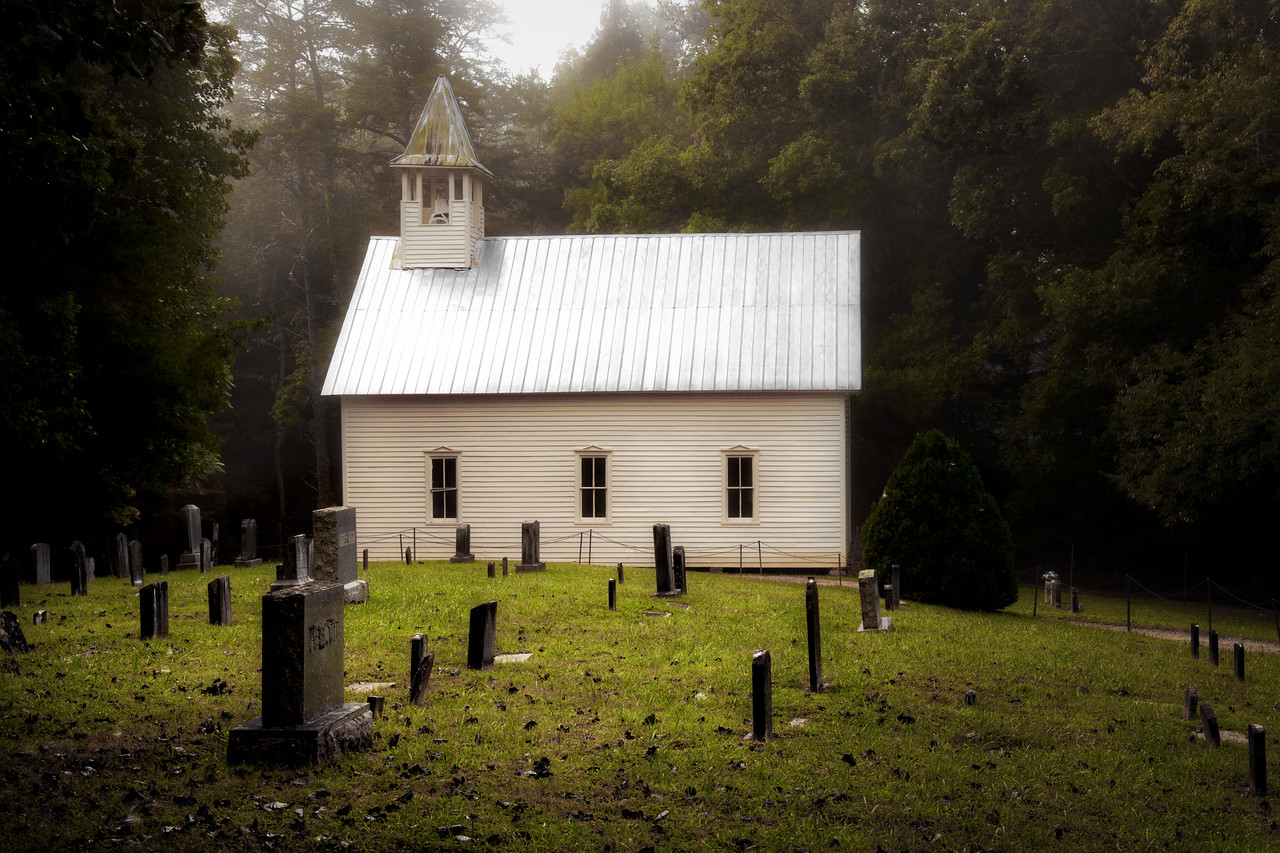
(1075, 740)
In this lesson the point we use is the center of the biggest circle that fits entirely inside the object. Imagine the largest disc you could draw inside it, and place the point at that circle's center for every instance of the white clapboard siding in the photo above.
(517, 462)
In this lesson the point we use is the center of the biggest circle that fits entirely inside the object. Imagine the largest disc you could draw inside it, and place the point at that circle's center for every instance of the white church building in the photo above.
(596, 384)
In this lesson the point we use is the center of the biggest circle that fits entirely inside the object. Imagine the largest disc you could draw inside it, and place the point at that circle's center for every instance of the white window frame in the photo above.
(430, 457)
(740, 451)
(593, 452)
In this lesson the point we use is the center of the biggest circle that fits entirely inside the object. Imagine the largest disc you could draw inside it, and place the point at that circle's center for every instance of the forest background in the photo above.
(1068, 209)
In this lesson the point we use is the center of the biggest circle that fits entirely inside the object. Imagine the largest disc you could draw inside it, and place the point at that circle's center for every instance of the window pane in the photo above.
(599, 481)
(733, 471)
(586, 471)
(744, 477)
(733, 504)
(588, 505)
(437, 473)
(600, 504)
(450, 473)
(747, 501)
(451, 503)
(437, 504)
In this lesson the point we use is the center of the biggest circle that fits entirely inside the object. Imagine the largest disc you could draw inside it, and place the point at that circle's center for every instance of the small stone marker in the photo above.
(408, 556)
(304, 720)
(761, 696)
(79, 570)
(678, 574)
(1209, 722)
(248, 545)
(613, 594)
(154, 610)
(376, 704)
(40, 617)
(90, 568)
(1238, 650)
(814, 634)
(335, 551)
(190, 558)
(164, 564)
(1195, 640)
(40, 560)
(122, 555)
(1257, 738)
(1213, 647)
(662, 560)
(220, 601)
(531, 548)
(504, 567)
(366, 559)
(462, 545)
(137, 571)
(1075, 601)
(619, 572)
(12, 640)
(480, 643)
(1050, 578)
(1190, 704)
(493, 572)
(294, 570)
(971, 697)
(871, 619)
(421, 664)
(10, 591)
(206, 556)
(1057, 593)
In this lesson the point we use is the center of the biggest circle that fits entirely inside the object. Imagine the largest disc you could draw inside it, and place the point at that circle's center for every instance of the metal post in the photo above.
(1035, 595)
(1208, 584)
(591, 535)
(579, 547)
(415, 543)
(739, 559)
(759, 557)
(1276, 615)
(840, 570)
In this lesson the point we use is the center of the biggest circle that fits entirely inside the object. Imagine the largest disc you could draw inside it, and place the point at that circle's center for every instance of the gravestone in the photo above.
(40, 563)
(481, 640)
(335, 551)
(1050, 578)
(137, 572)
(190, 558)
(1238, 650)
(613, 594)
(1257, 739)
(12, 640)
(1075, 601)
(79, 570)
(220, 601)
(164, 564)
(462, 545)
(1195, 640)
(970, 696)
(153, 609)
(304, 720)
(663, 559)
(504, 567)
(10, 591)
(761, 696)
(1057, 594)
(1190, 704)
(90, 568)
(206, 556)
(1213, 647)
(678, 575)
(421, 663)
(40, 617)
(815, 635)
(122, 555)
(493, 572)
(871, 618)
(620, 573)
(531, 548)
(1209, 722)
(295, 570)
(376, 705)
(366, 559)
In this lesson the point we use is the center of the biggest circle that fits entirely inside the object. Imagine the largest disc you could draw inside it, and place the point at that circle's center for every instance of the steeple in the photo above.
(441, 188)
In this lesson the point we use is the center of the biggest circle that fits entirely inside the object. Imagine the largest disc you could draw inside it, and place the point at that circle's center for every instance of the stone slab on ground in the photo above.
(347, 728)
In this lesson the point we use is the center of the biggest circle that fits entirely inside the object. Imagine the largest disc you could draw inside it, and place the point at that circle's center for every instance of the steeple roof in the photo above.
(440, 137)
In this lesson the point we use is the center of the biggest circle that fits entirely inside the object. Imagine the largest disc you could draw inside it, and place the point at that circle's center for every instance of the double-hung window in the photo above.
(593, 485)
(740, 502)
(444, 487)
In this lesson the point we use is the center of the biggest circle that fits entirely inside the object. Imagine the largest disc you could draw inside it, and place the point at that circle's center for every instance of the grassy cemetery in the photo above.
(629, 729)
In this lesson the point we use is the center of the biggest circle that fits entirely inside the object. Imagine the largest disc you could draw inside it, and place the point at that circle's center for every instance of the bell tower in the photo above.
(441, 188)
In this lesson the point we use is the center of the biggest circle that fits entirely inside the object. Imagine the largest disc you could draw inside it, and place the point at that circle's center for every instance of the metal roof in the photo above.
(672, 312)
(440, 137)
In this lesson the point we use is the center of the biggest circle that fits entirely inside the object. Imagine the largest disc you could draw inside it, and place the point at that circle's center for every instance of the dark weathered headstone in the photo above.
(504, 567)
(662, 559)
(335, 551)
(153, 609)
(1190, 704)
(220, 601)
(1213, 647)
(620, 573)
(531, 548)
(971, 697)
(1057, 594)
(40, 563)
(90, 568)
(366, 559)
(376, 704)
(295, 570)
(1238, 658)
(678, 575)
(10, 590)
(191, 531)
(248, 557)
(613, 594)
(462, 545)
(1209, 722)
(79, 570)
(304, 720)
(137, 572)
(761, 696)
(1257, 739)
(12, 640)
(1075, 601)
(206, 556)
(408, 556)
(164, 564)
(815, 635)
(1050, 579)
(493, 571)
(1195, 640)
(40, 617)
(122, 555)
(482, 637)
(870, 593)
(421, 663)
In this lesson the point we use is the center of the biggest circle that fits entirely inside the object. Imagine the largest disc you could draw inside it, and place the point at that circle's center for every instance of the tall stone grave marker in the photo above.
(40, 562)
(871, 618)
(137, 573)
(248, 545)
(679, 576)
(815, 636)
(761, 696)
(304, 720)
(662, 560)
(220, 601)
(462, 545)
(421, 663)
(79, 570)
(1257, 745)
(153, 600)
(206, 556)
(482, 638)
(334, 550)
(90, 568)
(122, 555)
(190, 558)
(10, 594)
(531, 548)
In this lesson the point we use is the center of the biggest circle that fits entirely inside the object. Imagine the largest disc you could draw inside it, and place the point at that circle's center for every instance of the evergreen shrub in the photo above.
(938, 522)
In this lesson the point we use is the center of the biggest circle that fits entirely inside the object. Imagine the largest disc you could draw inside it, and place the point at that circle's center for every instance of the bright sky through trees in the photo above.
(541, 29)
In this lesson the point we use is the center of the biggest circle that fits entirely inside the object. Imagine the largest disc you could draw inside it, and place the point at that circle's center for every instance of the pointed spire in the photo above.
(440, 137)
